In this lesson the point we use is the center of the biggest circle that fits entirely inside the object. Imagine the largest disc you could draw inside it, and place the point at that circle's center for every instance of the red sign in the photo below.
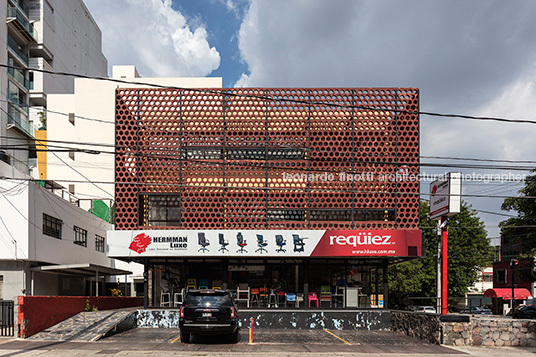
(396, 243)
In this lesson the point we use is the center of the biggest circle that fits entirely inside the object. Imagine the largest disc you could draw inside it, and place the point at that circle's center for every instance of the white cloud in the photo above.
(154, 37)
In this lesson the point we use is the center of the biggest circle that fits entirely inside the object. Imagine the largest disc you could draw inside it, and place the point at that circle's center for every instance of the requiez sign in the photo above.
(445, 196)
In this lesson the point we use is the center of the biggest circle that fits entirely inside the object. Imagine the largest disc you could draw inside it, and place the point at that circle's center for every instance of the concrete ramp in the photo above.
(89, 326)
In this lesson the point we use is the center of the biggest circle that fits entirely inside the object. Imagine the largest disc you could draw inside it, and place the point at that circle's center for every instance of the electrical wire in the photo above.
(275, 99)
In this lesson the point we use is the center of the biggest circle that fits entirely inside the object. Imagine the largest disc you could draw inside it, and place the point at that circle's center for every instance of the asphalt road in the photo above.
(158, 342)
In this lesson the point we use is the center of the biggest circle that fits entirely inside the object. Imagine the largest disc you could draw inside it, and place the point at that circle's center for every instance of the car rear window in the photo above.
(208, 299)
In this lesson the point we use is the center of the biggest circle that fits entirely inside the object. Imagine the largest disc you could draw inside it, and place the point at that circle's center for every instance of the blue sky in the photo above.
(222, 24)
(466, 57)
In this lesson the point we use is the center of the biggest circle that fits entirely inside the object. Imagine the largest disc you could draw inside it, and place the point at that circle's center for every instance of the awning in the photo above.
(506, 293)
(88, 269)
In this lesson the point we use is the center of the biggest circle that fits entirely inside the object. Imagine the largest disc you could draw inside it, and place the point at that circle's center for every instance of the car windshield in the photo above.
(208, 300)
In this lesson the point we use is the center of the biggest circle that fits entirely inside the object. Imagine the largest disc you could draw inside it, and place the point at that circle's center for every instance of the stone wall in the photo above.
(417, 324)
(465, 330)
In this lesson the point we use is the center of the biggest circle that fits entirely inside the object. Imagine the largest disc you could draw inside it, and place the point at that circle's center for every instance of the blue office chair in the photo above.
(203, 242)
(261, 243)
(280, 242)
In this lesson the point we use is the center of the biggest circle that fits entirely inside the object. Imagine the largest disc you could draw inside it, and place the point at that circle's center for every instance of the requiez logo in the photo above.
(360, 239)
(140, 243)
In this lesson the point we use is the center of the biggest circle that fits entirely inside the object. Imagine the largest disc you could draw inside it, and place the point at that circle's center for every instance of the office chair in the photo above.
(298, 243)
(203, 242)
(241, 243)
(261, 244)
(280, 242)
(223, 243)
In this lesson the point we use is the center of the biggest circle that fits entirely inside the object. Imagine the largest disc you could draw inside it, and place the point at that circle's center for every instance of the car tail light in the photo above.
(233, 312)
(181, 313)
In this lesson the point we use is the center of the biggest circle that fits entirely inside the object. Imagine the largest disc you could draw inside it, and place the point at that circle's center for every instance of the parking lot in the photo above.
(158, 342)
(265, 342)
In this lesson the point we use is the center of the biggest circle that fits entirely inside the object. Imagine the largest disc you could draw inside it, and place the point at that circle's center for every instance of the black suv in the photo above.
(208, 312)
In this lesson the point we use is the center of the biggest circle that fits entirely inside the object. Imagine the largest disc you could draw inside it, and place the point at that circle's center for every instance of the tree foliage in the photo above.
(469, 250)
(519, 232)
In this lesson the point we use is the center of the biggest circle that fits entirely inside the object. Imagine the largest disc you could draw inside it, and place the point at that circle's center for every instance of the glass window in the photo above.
(80, 236)
(160, 210)
(52, 226)
(99, 243)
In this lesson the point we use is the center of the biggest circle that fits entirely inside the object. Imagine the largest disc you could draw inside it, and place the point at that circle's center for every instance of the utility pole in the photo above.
(513, 264)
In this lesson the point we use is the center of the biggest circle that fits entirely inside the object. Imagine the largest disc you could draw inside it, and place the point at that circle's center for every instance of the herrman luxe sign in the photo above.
(266, 243)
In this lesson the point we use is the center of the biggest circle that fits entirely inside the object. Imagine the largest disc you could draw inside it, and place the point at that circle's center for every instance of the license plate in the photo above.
(207, 314)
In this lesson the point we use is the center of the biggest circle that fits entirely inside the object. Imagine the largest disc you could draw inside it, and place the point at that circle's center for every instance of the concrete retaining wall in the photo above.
(282, 319)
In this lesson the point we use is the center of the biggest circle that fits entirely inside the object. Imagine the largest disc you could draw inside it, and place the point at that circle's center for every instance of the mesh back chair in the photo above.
(280, 242)
(241, 242)
(223, 243)
(261, 243)
(203, 242)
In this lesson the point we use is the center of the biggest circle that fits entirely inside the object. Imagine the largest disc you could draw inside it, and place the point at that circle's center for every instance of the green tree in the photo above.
(469, 250)
(519, 232)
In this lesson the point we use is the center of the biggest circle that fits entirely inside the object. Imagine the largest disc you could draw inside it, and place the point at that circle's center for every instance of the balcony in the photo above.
(21, 23)
(14, 100)
(16, 120)
(17, 51)
(19, 77)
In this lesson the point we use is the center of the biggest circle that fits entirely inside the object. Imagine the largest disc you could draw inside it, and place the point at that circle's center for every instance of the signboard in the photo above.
(265, 243)
(445, 196)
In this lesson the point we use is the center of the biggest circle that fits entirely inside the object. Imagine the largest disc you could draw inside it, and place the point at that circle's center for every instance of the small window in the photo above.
(71, 155)
(71, 189)
(99, 243)
(80, 236)
(52, 226)
(501, 276)
(71, 118)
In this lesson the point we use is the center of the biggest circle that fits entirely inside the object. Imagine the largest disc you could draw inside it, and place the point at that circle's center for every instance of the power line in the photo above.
(263, 188)
(275, 99)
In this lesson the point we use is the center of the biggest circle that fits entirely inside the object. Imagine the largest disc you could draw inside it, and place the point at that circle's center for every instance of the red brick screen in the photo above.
(369, 133)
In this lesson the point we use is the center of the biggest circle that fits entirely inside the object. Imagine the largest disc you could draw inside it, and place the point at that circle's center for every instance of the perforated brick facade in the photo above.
(267, 158)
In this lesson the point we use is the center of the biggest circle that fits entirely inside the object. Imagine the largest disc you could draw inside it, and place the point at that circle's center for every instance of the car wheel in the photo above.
(185, 337)
(235, 337)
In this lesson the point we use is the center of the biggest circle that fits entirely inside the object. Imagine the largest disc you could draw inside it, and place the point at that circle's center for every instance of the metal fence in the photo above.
(7, 323)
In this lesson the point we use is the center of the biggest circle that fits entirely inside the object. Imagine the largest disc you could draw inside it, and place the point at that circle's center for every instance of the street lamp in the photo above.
(513, 264)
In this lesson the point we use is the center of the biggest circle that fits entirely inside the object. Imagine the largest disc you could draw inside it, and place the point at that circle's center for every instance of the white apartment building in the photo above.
(48, 245)
(87, 118)
(53, 35)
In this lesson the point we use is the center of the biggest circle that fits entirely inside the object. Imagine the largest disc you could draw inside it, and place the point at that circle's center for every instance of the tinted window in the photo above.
(208, 300)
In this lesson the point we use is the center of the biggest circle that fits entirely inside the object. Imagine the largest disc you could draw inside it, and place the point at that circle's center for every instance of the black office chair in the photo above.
(241, 243)
(223, 243)
(298, 243)
(280, 242)
(203, 242)
(261, 243)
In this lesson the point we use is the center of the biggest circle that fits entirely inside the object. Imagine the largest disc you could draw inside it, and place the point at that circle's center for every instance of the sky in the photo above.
(465, 56)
